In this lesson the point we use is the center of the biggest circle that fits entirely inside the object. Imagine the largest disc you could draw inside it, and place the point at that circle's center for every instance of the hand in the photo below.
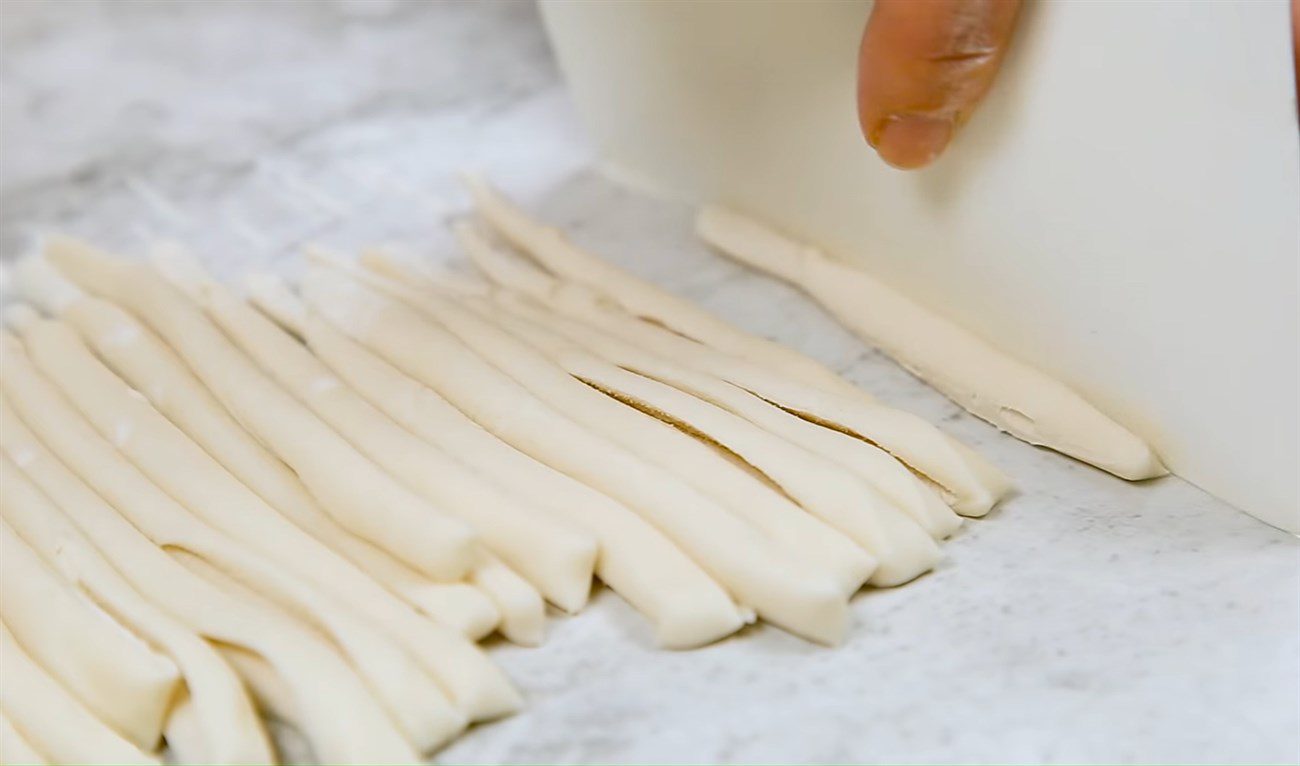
(924, 66)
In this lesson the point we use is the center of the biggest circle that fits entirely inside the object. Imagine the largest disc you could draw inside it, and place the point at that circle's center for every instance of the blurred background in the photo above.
(252, 125)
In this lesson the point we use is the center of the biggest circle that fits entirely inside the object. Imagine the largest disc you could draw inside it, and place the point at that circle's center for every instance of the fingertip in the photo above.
(911, 141)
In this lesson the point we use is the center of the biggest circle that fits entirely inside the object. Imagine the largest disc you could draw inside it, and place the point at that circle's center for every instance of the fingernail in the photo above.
(909, 141)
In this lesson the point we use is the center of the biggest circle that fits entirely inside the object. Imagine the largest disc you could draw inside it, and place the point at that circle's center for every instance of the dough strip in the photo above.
(355, 491)
(684, 604)
(101, 662)
(331, 705)
(148, 365)
(226, 727)
(993, 386)
(755, 571)
(555, 557)
(182, 468)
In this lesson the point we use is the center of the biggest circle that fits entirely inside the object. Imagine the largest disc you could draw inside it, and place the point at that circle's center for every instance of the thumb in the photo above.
(923, 67)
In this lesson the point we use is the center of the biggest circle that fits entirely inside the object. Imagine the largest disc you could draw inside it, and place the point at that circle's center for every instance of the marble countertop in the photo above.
(1086, 620)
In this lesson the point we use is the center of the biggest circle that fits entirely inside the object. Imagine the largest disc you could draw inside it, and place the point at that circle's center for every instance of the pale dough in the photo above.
(820, 547)
(902, 550)
(223, 724)
(757, 573)
(406, 690)
(869, 462)
(142, 360)
(357, 493)
(184, 469)
(523, 613)
(555, 557)
(332, 707)
(1006, 392)
(110, 670)
(686, 607)
(594, 281)
(717, 473)
(15, 750)
(54, 721)
(550, 247)
(821, 486)
(974, 486)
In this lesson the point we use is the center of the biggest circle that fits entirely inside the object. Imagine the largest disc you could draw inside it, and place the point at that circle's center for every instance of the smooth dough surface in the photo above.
(868, 462)
(552, 249)
(14, 747)
(358, 493)
(309, 576)
(54, 721)
(738, 555)
(148, 365)
(410, 696)
(331, 705)
(188, 474)
(223, 725)
(819, 546)
(991, 385)
(522, 288)
(973, 485)
(554, 556)
(730, 482)
(804, 468)
(115, 674)
(686, 606)
(901, 549)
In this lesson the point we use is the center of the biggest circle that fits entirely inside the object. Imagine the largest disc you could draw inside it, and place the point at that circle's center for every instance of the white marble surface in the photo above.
(1086, 620)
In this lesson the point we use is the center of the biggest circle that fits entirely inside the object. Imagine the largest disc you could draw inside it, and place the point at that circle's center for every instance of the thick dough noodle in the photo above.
(322, 580)
(1004, 391)
(410, 696)
(331, 705)
(867, 461)
(756, 571)
(686, 607)
(521, 609)
(224, 726)
(818, 546)
(823, 552)
(111, 671)
(15, 750)
(900, 547)
(54, 721)
(823, 487)
(640, 298)
(554, 556)
(356, 492)
(972, 485)
(145, 362)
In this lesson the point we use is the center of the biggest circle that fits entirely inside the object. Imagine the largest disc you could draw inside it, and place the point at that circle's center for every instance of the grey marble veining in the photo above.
(1085, 620)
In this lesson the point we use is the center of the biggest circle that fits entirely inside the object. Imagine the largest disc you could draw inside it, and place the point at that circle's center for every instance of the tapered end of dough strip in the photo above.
(182, 269)
(502, 268)
(82, 263)
(20, 316)
(415, 274)
(39, 282)
(750, 242)
(993, 485)
(505, 217)
(273, 296)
